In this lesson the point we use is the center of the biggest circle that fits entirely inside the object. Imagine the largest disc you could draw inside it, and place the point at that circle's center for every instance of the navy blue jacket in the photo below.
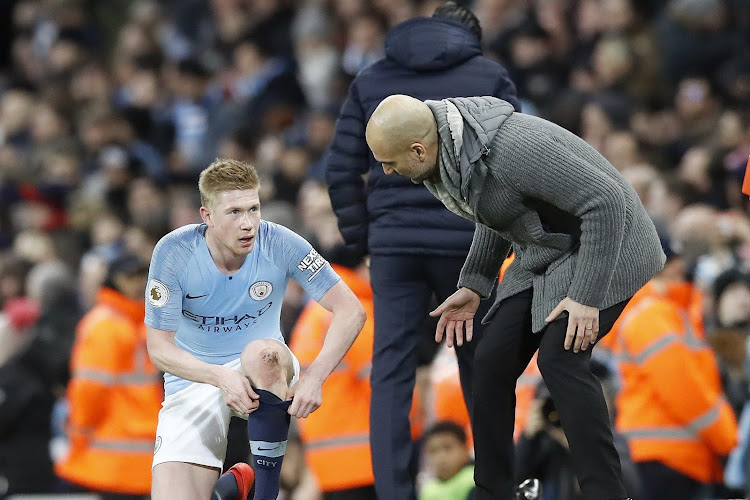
(425, 58)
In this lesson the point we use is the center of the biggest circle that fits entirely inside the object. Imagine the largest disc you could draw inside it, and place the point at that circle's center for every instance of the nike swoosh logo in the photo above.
(267, 449)
(188, 296)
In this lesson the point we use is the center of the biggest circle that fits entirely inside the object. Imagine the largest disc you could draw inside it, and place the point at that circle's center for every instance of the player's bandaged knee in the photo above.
(268, 427)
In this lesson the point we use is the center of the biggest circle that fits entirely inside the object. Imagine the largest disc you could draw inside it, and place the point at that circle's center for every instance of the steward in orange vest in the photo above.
(337, 436)
(671, 407)
(115, 393)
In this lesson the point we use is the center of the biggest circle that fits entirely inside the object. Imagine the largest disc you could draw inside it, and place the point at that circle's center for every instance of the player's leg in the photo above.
(183, 480)
(192, 481)
(271, 368)
(269, 365)
(401, 296)
(507, 346)
(191, 440)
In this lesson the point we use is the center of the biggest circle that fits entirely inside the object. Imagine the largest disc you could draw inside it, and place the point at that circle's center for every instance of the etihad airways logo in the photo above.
(226, 324)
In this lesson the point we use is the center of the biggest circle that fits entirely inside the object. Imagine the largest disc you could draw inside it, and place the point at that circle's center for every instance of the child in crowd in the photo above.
(447, 455)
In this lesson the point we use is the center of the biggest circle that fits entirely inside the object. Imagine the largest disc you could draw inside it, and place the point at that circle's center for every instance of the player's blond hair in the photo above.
(226, 174)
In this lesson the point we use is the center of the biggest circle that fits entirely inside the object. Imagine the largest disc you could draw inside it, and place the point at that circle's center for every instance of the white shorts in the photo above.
(193, 423)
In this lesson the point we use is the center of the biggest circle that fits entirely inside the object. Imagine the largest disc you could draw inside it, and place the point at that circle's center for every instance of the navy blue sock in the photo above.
(226, 488)
(267, 428)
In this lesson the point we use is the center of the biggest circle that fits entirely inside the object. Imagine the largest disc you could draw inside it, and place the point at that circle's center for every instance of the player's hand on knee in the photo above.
(457, 317)
(237, 392)
(306, 396)
(583, 323)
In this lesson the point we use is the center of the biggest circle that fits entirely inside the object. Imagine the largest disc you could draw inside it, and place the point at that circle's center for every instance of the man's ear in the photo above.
(419, 150)
(206, 216)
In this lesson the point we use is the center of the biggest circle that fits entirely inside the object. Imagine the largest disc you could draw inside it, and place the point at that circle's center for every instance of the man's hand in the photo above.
(306, 396)
(583, 323)
(236, 390)
(457, 309)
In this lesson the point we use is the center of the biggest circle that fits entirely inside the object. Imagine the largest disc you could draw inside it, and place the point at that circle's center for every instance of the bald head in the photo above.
(402, 135)
(398, 122)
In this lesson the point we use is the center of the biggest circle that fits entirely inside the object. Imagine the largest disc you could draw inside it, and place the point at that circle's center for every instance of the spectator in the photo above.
(696, 36)
(447, 455)
(543, 451)
(728, 338)
(115, 392)
(191, 110)
(336, 437)
(416, 246)
(671, 407)
(25, 408)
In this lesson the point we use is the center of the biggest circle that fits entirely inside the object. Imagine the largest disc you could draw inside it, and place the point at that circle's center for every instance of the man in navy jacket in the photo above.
(416, 246)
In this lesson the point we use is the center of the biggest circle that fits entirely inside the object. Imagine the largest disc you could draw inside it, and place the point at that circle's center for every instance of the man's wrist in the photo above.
(316, 374)
(212, 374)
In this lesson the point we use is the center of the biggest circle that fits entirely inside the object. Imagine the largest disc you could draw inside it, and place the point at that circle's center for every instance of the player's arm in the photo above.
(169, 358)
(348, 319)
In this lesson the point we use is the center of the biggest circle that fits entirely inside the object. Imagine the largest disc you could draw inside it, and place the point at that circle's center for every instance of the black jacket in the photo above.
(426, 58)
(25, 413)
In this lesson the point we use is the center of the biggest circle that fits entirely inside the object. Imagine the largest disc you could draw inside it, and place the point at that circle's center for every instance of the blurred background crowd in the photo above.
(110, 109)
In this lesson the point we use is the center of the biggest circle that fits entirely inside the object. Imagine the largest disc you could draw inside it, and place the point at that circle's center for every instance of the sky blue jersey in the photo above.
(216, 315)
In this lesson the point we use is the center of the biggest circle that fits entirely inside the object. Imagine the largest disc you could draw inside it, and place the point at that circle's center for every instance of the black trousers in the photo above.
(507, 346)
(659, 482)
(402, 288)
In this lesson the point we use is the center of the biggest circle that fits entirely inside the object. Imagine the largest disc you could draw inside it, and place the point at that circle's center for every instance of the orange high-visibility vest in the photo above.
(337, 435)
(114, 394)
(671, 407)
(447, 398)
(746, 180)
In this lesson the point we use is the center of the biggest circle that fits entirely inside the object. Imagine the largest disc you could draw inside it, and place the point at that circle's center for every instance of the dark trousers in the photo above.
(659, 482)
(503, 354)
(402, 288)
(363, 493)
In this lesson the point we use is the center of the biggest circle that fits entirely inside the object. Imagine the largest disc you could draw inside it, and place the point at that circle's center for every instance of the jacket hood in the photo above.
(467, 127)
(482, 118)
(426, 43)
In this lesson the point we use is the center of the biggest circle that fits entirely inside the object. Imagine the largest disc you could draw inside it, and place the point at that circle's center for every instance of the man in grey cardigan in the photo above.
(583, 243)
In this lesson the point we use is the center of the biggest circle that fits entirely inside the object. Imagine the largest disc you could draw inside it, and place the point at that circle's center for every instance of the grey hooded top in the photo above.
(577, 227)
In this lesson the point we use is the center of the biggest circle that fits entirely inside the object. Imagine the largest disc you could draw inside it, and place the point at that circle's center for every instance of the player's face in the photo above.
(235, 219)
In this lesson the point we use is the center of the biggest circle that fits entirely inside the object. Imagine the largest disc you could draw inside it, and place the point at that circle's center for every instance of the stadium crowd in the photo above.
(109, 110)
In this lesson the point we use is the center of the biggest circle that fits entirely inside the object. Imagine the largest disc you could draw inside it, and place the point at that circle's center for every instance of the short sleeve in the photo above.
(164, 290)
(302, 262)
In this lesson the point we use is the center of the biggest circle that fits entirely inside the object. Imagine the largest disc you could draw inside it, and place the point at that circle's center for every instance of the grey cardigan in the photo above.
(577, 227)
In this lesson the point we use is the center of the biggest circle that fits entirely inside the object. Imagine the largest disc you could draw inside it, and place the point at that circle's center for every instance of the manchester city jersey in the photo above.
(216, 315)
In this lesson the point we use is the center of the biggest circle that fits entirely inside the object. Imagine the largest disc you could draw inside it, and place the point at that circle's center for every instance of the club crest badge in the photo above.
(260, 290)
